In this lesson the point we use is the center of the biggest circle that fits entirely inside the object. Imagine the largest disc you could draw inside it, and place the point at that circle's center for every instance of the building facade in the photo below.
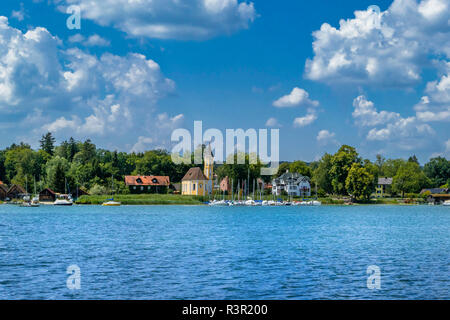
(198, 183)
(293, 184)
(383, 188)
(147, 184)
(16, 192)
(225, 185)
(3, 192)
(47, 195)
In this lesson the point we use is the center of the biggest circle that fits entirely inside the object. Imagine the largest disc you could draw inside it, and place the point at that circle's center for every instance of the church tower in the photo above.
(208, 170)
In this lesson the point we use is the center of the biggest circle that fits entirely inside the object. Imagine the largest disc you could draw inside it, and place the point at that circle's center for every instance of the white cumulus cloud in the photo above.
(365, 113)
(326, 137)
(435, 106)
(92, 41)
(72, 92)
(168, 19)
(306, 120)
(387, 126)
(297, 97)
(388, 48)
(273, 123)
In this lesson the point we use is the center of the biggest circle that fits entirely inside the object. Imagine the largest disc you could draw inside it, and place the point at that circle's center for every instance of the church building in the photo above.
(198, 183)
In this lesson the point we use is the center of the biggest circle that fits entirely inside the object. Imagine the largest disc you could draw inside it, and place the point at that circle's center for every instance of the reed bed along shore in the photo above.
(145, 199)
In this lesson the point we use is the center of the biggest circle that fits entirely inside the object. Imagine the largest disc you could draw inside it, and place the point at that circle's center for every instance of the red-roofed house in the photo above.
(147, 184)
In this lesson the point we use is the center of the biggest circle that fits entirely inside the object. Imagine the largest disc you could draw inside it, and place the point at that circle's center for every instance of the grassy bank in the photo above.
(145, 199)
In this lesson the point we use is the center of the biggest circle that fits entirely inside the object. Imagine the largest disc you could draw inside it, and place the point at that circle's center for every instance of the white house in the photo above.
(293, 183)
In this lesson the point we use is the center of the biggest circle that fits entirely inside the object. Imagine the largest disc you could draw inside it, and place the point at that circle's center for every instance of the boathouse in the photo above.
(3, 192)
(47, 195)
(16, 192)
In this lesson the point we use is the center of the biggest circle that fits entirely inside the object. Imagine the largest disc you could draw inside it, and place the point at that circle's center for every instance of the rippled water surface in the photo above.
(181, 252)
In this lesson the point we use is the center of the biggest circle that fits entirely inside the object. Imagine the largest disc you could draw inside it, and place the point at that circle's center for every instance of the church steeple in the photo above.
(208, 163)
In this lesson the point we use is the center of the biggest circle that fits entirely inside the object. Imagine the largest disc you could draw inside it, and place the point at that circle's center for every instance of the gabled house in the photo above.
(47, 195)
(16, 192)
(147, 184)
(384, 187)
(195, 183)
(3, 192)
(225, 185)
(294, 184)
(198, 183)
(435, 191)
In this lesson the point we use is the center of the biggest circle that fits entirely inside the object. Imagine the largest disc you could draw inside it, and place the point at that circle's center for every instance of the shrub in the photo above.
(97, 190)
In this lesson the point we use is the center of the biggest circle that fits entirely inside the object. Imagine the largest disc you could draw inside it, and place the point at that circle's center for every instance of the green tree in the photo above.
(23, 164)
(374, 170)
(438, 170)
(321, 175)
(48, 143)
(2, 166)
(413, 159)
(341, 163)
(390, 167)
(300, 167)
(57, 169)
(282, 168)
(240, 172)
(409, 179)
(359, 182)
(380, 162)
(87, 153)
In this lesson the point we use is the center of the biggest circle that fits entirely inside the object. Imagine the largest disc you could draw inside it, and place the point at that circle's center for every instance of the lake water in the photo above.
(182, 252)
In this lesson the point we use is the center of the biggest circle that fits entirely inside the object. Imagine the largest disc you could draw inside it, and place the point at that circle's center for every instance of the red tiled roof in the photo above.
(147, 181)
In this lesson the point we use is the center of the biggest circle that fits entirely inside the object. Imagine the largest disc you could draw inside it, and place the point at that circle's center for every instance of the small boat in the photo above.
(111, 203)
(446, 203)
(316, 203)
(30, 203)
(63, 201)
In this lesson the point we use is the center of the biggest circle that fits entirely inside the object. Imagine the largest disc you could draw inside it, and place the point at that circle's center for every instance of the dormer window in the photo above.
(155, 180)
(139, 180)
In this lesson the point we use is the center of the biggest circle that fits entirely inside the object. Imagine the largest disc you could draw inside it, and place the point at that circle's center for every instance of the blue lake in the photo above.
(182, 252)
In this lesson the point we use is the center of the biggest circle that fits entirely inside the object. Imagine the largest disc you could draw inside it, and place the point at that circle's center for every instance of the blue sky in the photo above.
(133, 74)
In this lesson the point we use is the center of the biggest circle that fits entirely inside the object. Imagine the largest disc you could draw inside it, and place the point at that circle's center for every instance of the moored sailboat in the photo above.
(111, 202)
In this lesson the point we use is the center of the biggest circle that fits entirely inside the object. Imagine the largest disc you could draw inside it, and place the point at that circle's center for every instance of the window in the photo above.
(193, 186)
(142, 188)
(200, 185)
(134, 188)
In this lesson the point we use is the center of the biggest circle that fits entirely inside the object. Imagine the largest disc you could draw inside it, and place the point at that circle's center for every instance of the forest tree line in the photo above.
(74, 164)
